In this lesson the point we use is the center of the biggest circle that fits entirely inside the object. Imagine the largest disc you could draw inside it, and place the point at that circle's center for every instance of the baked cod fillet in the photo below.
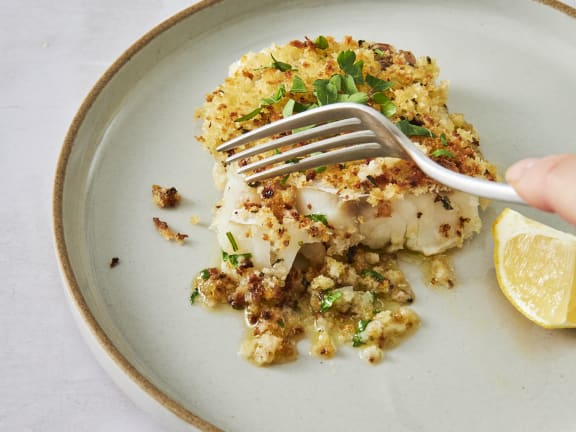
(313, 252)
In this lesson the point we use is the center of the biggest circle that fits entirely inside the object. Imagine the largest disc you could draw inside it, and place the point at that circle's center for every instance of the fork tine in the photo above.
(319, 115)
(347, 154)
(345, 125)
(349, 139)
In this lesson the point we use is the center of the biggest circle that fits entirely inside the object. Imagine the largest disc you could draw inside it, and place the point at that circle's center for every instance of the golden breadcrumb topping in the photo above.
(167, 232)
(165, 197)
(312, 254)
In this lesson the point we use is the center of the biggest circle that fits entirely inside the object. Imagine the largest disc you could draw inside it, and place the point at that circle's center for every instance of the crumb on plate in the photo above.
(167, 232)
(165, 197)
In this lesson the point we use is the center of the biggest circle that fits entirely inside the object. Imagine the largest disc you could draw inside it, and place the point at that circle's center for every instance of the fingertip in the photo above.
(519, 169)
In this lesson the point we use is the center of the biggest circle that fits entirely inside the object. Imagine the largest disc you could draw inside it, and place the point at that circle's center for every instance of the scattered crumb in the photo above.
(165, 197)
(167, 232)
(372, 354)
(194, 220)
(114, 262)
(439, 271)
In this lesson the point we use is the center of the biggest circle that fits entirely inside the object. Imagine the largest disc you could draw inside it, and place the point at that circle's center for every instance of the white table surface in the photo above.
(51, 53)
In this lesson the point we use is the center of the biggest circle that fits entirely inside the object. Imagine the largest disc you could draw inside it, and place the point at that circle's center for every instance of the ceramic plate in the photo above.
(474, 365)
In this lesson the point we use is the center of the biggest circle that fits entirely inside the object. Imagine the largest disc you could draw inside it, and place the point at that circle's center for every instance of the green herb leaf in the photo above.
(326, 92)
(445, 202)
(372, 180)
(380, 98)
(292, 161)
(321, 42)
(336, 80)
(378, 84)
(298, 85)
(378, 52)
(280, 323)
(358, 97)
(288, 109)
(360, 327)
(350, 85)
(205, 274)
(232, 241)
(388, 109)
(195, 293)
(276, 97)
(328, 300)
(347, 62)
(373, 274)
(442, 153)
(281, 66)
(318, 218)
(250, 115)
(412, 130)
(300, 107)
(235, 258)
(443, 139)
(320, 169)
(284, 179)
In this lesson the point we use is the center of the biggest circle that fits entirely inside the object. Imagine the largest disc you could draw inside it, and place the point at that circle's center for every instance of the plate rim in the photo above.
(71, 284)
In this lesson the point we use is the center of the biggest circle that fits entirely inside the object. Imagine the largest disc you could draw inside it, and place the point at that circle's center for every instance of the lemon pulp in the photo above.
(536, 267)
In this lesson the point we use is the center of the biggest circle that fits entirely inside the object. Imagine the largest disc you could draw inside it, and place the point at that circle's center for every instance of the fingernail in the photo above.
(517, 170)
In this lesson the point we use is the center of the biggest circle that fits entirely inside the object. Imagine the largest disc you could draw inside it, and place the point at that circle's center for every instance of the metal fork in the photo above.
(348, 132)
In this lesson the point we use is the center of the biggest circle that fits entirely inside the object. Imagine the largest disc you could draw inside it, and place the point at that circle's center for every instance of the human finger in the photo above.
(548, 183)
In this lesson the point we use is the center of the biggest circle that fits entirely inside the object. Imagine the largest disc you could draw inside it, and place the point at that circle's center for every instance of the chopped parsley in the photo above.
(378, 84)
(372, 180)
(412, 130)
(205, 274)
(288, 109)
(387, 107)
(250, 115)
(298, 85)
(292, 107)
(373, 274)
(275, 98)
(195, 293)
(326, 90)
(321, 42)
(234, 259)
(442, 153)
(318, 218)
(232, 241)
(443, 139)
(360, 327)
(446, 203)
(292, 161)
(358, 97)
(281, 66)
(338, 89)
(347, 62)
(328, 299)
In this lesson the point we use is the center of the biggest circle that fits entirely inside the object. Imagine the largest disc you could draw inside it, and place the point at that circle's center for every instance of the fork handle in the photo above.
(472, 185)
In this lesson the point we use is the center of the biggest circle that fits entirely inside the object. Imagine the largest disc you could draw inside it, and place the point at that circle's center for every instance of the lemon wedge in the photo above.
(536, 269)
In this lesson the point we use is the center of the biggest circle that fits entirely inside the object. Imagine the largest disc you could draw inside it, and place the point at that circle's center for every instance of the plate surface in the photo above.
(474, 365)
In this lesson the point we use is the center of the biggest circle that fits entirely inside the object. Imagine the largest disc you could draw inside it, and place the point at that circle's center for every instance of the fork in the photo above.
(347, 132)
